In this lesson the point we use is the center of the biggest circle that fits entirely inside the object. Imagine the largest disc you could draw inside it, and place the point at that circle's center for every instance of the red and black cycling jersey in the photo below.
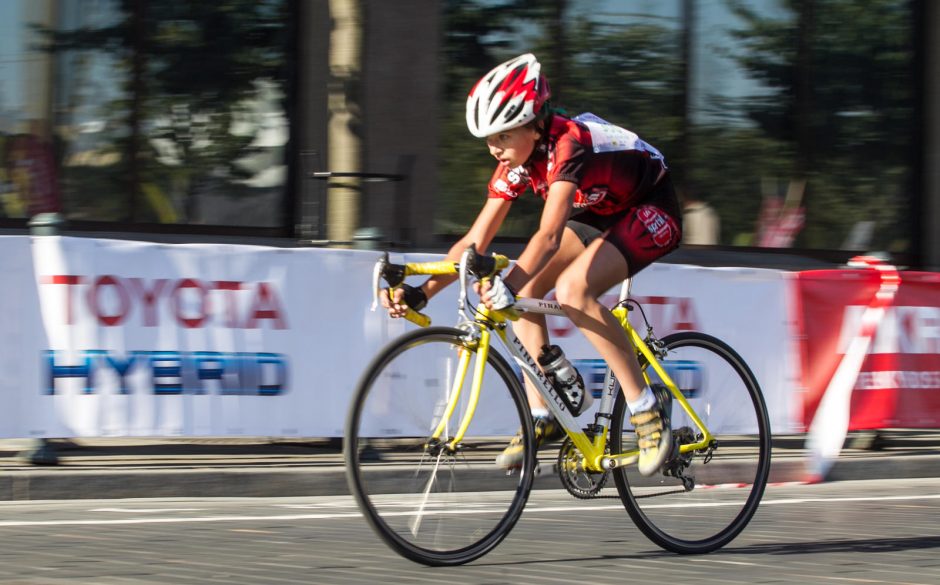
(608, 182)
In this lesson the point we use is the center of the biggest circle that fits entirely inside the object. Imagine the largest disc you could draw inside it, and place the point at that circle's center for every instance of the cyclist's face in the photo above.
(513, 147)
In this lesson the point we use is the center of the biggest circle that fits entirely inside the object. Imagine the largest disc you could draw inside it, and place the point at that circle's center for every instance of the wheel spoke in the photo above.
(415, 523)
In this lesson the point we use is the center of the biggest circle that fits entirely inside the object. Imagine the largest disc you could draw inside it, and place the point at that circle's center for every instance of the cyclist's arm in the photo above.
(543, 245)
(481, 234)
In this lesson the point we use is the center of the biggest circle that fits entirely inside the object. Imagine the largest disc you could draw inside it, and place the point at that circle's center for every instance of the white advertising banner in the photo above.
(135, 339)
(747, 308)
(116, 338)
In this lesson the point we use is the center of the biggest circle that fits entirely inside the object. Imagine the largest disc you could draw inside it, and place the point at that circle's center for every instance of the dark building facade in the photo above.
(807, 125)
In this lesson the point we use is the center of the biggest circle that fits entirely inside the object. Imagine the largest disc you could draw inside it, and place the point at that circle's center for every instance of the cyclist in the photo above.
(610, 210)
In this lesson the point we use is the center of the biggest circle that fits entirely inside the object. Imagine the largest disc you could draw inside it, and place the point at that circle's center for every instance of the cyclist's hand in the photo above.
(496, 294)
(402, 298)
(394, 302)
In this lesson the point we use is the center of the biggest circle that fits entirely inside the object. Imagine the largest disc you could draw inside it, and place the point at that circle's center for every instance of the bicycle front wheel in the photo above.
(432, 503)
(701, 500)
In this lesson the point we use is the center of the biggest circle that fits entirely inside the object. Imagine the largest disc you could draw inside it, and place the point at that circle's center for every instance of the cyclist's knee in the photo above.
(572, 292)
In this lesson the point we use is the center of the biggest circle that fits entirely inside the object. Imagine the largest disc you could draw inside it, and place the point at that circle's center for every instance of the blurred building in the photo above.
(338, 121)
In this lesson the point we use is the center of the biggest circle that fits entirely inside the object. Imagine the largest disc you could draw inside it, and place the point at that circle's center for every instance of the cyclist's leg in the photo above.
(641, 236)
(593, 273)
(531, 328)
(533, 334)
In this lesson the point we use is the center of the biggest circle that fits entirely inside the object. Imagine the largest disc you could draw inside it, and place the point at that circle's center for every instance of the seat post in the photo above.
(625, 288)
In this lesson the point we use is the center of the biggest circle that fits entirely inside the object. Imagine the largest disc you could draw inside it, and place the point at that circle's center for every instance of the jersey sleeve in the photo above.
(570, 159)
(507, 183)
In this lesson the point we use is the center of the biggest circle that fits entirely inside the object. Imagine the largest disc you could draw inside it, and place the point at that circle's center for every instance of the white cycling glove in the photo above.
(500, 296)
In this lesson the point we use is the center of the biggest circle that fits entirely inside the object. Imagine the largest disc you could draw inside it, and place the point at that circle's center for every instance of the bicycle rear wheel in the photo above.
(430, 504)
(700, 501)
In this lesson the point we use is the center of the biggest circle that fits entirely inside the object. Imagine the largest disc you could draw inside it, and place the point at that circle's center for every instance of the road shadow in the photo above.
(876, 545)
(870, 545)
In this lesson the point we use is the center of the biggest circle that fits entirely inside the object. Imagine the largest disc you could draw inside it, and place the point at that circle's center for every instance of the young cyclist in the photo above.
(610, 210)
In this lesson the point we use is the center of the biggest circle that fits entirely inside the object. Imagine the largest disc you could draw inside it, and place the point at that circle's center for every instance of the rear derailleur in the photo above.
(677, 463)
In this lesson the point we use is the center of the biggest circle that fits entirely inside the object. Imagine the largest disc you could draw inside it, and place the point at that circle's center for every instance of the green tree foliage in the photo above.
(839, 75)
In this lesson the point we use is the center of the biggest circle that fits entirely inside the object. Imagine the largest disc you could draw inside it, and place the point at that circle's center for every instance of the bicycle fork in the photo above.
(463, 365)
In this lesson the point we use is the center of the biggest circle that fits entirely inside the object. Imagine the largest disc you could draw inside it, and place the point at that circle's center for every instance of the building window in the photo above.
(149, 112)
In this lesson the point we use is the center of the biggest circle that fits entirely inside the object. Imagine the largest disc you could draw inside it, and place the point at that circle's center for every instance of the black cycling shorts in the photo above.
(643, 233)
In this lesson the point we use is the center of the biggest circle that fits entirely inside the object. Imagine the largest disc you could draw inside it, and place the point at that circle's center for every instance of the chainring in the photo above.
(580, 483)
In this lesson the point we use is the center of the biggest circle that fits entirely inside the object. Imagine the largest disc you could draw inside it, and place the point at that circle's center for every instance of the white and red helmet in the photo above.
(509, 96)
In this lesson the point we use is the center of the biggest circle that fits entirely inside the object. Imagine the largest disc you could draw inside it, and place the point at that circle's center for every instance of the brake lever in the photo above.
(377, 271)
(462, 271)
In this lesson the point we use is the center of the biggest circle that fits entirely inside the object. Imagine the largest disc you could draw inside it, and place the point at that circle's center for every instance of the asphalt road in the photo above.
(863, 532)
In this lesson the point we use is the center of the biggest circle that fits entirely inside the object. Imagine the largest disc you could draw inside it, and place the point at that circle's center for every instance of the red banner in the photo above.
(898, 384)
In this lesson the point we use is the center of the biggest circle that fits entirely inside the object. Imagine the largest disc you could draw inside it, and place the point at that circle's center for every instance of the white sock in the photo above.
(646, 401)
(540, 412)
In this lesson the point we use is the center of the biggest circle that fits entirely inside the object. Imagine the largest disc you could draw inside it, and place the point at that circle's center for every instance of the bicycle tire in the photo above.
(727, 487)
(464, 507)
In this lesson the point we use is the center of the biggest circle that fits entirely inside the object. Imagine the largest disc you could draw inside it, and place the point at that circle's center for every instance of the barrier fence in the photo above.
(116, 338)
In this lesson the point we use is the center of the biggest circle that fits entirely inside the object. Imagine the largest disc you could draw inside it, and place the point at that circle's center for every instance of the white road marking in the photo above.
(529, 510)
(723, 562)
(349, 504)
(145, 510)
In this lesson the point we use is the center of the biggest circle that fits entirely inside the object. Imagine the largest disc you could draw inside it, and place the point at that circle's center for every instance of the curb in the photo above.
(62, 483)
(171, 483)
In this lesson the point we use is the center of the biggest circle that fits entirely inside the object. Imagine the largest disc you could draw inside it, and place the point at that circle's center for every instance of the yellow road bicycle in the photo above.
(436, 405)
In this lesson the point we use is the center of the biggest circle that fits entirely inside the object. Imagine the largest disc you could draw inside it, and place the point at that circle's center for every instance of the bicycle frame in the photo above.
(482, 322)
(592, 448)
